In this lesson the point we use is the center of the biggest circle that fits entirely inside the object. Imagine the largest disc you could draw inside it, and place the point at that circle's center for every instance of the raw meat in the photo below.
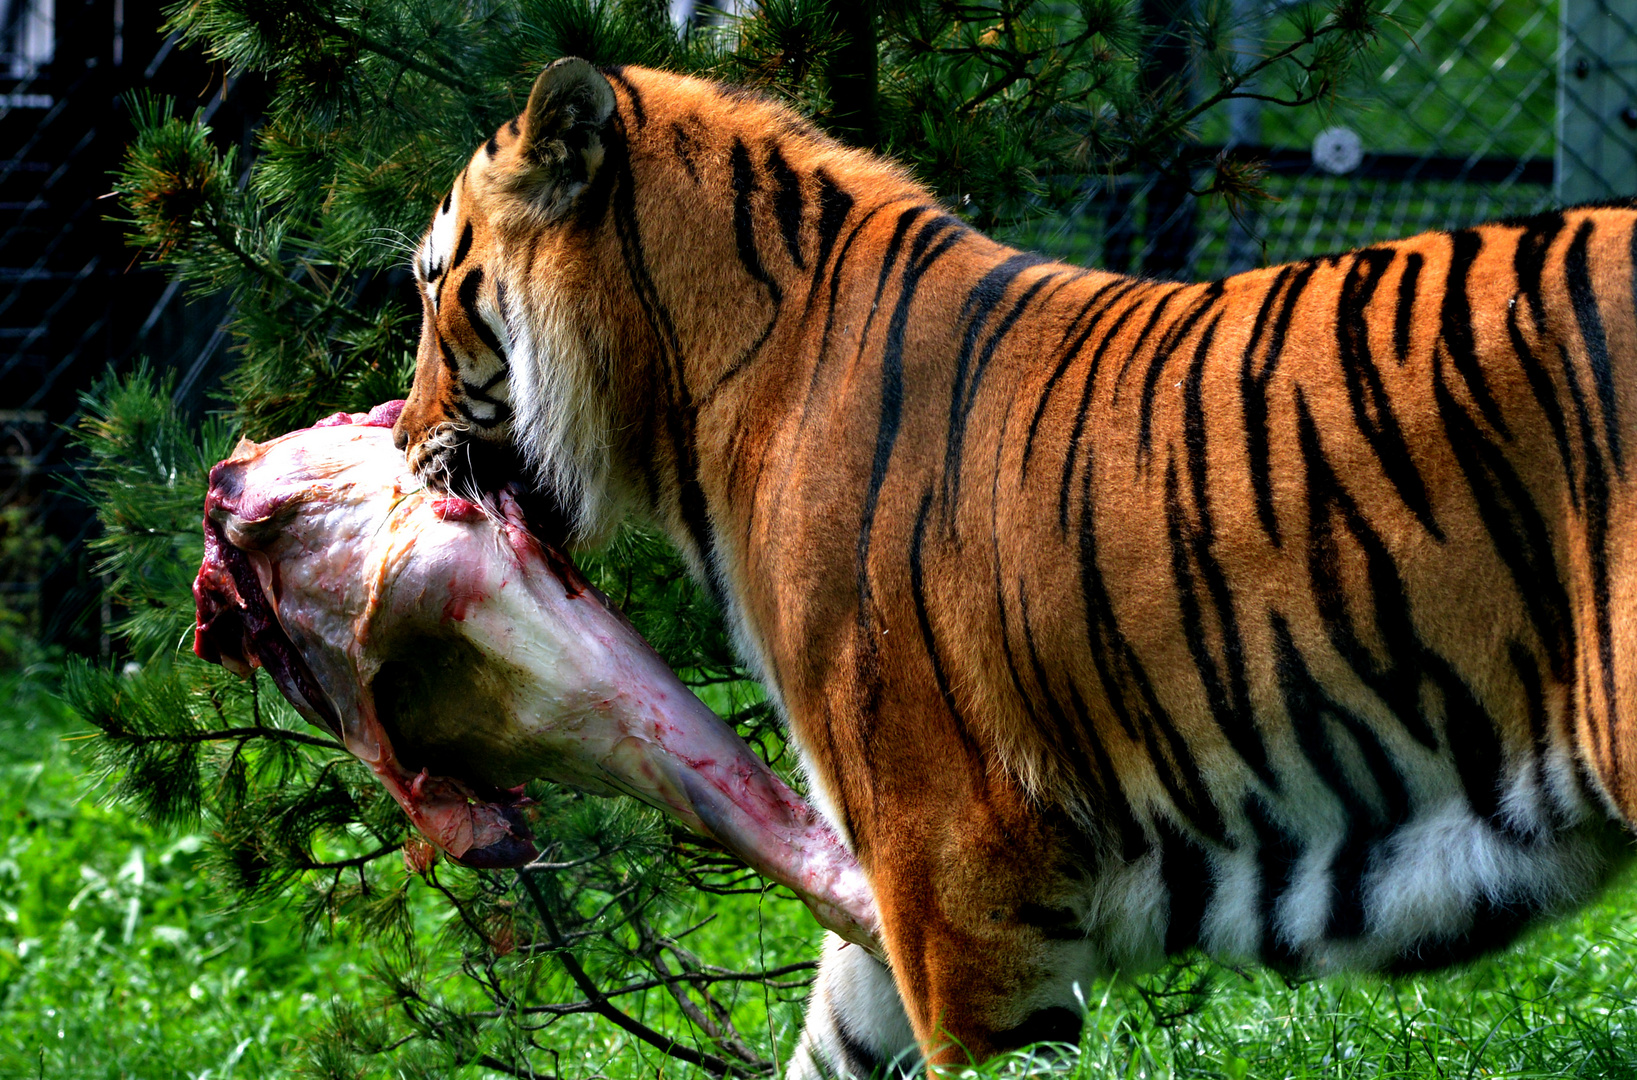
(458, 656)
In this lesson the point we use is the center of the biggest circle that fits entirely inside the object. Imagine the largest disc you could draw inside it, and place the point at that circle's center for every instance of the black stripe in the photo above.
(1189, 882)
(502, 414)
(616, 74)
(929, 640)
(1529, 261)
(1071, 452)
(1067, 353)
(1457, 326)
(1311, 712)
(744, 226)
(463, 248)
(684, 145)
(676, 409)
(1161, 355)
(1371, 404)
(841, 262)
(1494, 924)
(1596, 516)
(1584, 297)
(1228, 692)
(1253, 392)
(1534, 697)
(1054, 924)
(1112, 804)
(1631, 256)
(1406, 305)
(1545, 392)
(980, 304)
(787, 204)
(1277, 852)
(861, 1061)
(1142, 337)
(889, 263)
(1067, 738)
(834, 206)
(467, 295)
(480, 393)
(744, 233)
(821, 356)
(946, 231)
(1516, 526)
(1131, 694)
(1333, 515)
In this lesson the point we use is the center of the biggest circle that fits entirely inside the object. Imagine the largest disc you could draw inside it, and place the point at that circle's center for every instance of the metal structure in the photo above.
(73, 300)
(1469, 110)
(1597, 100)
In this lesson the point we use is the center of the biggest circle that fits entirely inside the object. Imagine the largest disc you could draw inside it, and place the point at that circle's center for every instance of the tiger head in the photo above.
(604, 263)
(469, 416)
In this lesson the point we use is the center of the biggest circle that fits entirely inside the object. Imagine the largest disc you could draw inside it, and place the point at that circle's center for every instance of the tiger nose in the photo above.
(400, 437)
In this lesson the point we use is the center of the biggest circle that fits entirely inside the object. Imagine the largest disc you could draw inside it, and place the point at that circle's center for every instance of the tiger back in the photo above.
(1288, 615)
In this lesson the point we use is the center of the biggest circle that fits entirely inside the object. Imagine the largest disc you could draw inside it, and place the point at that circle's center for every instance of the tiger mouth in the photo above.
(443, 459)
(454, 461)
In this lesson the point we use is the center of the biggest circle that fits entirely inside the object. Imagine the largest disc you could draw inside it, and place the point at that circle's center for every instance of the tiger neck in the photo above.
(816, 313)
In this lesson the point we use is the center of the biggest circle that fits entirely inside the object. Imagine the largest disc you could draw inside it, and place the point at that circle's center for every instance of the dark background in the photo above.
(73, 298)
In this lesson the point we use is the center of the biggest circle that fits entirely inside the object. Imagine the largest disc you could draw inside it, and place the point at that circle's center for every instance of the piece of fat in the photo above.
(458, 656)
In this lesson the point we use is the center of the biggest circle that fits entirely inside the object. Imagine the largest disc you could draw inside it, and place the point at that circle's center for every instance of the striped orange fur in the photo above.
(1291, 615)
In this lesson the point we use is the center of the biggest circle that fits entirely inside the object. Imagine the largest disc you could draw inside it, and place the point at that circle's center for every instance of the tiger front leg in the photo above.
(983, 904)
(856, 1027)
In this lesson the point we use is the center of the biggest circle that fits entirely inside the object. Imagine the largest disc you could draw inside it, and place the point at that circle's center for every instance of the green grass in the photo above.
(1562, 1003)
(117, 960)
(120, 958)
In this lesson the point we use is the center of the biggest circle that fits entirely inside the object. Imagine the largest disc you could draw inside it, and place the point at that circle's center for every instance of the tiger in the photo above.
(1283, 616)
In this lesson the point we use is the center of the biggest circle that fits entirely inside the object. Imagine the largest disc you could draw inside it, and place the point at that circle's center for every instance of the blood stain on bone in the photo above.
(456, 509)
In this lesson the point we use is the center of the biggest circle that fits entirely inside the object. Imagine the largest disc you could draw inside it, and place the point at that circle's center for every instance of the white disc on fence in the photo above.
(1338, 150)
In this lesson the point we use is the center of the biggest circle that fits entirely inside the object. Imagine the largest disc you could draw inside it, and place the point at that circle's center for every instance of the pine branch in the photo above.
(277, 277)
(1171, 126)
(242, 734)
(438, 75)
(348, 864)
(599, 1002)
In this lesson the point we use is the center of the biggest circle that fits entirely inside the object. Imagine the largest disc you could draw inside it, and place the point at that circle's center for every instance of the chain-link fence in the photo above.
(1467, 110)
(73, 301)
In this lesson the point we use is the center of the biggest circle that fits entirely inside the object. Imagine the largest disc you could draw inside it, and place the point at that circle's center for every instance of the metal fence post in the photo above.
(1597, 101)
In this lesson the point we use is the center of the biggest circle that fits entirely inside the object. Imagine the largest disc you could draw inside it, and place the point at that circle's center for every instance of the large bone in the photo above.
(458, 656)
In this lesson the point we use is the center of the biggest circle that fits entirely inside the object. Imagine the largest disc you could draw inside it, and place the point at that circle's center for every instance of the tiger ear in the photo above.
(561, 145)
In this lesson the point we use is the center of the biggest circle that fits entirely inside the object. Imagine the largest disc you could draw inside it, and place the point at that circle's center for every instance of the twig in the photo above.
(600, 1003)
(225, 735)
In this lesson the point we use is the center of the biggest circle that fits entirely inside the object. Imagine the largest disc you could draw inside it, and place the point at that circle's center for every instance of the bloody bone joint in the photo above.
(458, 656)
